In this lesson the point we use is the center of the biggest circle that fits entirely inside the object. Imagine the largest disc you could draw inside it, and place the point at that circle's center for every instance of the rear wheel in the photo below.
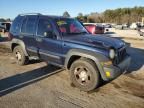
(84, 74)
(21, 58)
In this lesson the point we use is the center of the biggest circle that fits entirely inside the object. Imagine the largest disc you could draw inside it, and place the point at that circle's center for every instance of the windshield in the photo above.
(70, 26)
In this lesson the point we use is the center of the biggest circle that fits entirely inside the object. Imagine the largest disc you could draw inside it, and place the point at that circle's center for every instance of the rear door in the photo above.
(50, 47)
(28, 30)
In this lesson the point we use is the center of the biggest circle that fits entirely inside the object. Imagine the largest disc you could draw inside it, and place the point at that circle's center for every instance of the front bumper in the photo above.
(115, 71)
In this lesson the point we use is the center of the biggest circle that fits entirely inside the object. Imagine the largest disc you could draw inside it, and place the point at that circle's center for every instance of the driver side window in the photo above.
(43, 27)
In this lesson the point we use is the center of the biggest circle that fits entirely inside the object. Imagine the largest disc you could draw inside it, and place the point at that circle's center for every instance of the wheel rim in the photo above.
(82, 75)
(18, 56)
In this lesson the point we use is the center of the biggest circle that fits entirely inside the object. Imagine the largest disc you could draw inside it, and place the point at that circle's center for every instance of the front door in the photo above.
(49, 46)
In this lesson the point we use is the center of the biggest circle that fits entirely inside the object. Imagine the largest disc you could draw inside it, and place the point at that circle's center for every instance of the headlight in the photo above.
(112, 53)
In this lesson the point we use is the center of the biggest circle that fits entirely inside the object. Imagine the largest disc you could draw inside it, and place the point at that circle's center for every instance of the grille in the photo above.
(120, 56)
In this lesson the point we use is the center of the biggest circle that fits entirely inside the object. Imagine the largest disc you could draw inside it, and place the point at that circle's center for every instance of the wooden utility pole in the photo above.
(143, 20)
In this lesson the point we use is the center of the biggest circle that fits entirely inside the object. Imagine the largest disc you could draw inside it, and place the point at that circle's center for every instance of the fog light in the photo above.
(108, 74)
(106, 63)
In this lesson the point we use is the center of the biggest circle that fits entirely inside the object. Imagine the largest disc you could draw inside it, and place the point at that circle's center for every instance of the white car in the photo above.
(141, 31)
(134, 26)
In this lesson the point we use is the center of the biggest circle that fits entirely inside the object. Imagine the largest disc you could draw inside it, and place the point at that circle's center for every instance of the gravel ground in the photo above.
(38, 85)
(126, 34)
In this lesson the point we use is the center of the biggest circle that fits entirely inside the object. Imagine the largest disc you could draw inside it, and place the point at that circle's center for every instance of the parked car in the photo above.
(119, 26)
(66, 43)
(1, 27)
(141, 31)
(94, 28)
(135, 26)
(107, 25)
(113, 25)
(126, 26)
(5, 26)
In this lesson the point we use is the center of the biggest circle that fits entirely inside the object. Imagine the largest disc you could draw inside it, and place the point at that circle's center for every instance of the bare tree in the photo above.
(66, 14)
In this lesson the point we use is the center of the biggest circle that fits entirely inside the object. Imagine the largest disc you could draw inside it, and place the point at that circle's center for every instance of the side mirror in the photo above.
(49, 34)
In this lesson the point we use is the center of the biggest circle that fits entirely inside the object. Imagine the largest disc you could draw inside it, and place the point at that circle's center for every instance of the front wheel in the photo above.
(84, 74)
(20, 56)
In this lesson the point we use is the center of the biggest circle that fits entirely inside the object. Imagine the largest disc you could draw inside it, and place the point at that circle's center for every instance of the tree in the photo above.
(124, 15)
(90, 19)
(66, 14)
(119, 16)
(8, 20)
(95, 18)
(2, 20)
(80, 15)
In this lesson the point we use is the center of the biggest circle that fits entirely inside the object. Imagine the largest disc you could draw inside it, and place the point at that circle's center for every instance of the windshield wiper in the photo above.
(76, 33)
(84, 32)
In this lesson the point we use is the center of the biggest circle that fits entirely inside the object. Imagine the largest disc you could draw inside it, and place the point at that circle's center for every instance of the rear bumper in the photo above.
(115, 71)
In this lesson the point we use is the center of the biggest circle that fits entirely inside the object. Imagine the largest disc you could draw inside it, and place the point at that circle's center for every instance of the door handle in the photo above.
(64, 44)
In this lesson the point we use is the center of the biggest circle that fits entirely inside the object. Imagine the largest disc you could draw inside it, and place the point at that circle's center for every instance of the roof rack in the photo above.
(30, 14)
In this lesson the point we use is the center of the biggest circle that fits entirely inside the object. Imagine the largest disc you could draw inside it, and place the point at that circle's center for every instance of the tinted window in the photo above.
(23, 28)
(43, 26)
(70, 26)
(28, 25)
(16, 24)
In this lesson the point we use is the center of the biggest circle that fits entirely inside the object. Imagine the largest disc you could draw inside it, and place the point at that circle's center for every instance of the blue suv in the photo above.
(65, 42)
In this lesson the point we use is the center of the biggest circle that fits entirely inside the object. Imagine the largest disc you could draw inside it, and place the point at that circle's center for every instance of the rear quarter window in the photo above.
(16, 24)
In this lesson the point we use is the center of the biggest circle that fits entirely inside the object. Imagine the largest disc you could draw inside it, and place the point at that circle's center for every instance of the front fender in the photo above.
(21, 43)
(96, 57)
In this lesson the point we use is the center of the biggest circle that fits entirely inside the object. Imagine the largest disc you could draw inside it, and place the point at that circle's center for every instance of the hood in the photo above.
(95, 40)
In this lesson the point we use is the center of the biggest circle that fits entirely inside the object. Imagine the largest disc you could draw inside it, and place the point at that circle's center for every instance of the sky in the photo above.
(11, 8)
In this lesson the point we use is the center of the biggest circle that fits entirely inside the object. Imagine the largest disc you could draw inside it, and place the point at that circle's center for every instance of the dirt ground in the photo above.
(38, 85)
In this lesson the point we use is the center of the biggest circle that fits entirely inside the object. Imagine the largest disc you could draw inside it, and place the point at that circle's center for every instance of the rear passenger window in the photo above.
(28, 25)
(43, 26)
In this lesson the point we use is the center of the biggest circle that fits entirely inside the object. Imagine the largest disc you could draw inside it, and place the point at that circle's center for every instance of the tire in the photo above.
(141, 34)
(122, 28)
(20, 56)
(84, 75)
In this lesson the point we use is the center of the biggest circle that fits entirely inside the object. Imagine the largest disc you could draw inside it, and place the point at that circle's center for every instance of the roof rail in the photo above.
(30, 14)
